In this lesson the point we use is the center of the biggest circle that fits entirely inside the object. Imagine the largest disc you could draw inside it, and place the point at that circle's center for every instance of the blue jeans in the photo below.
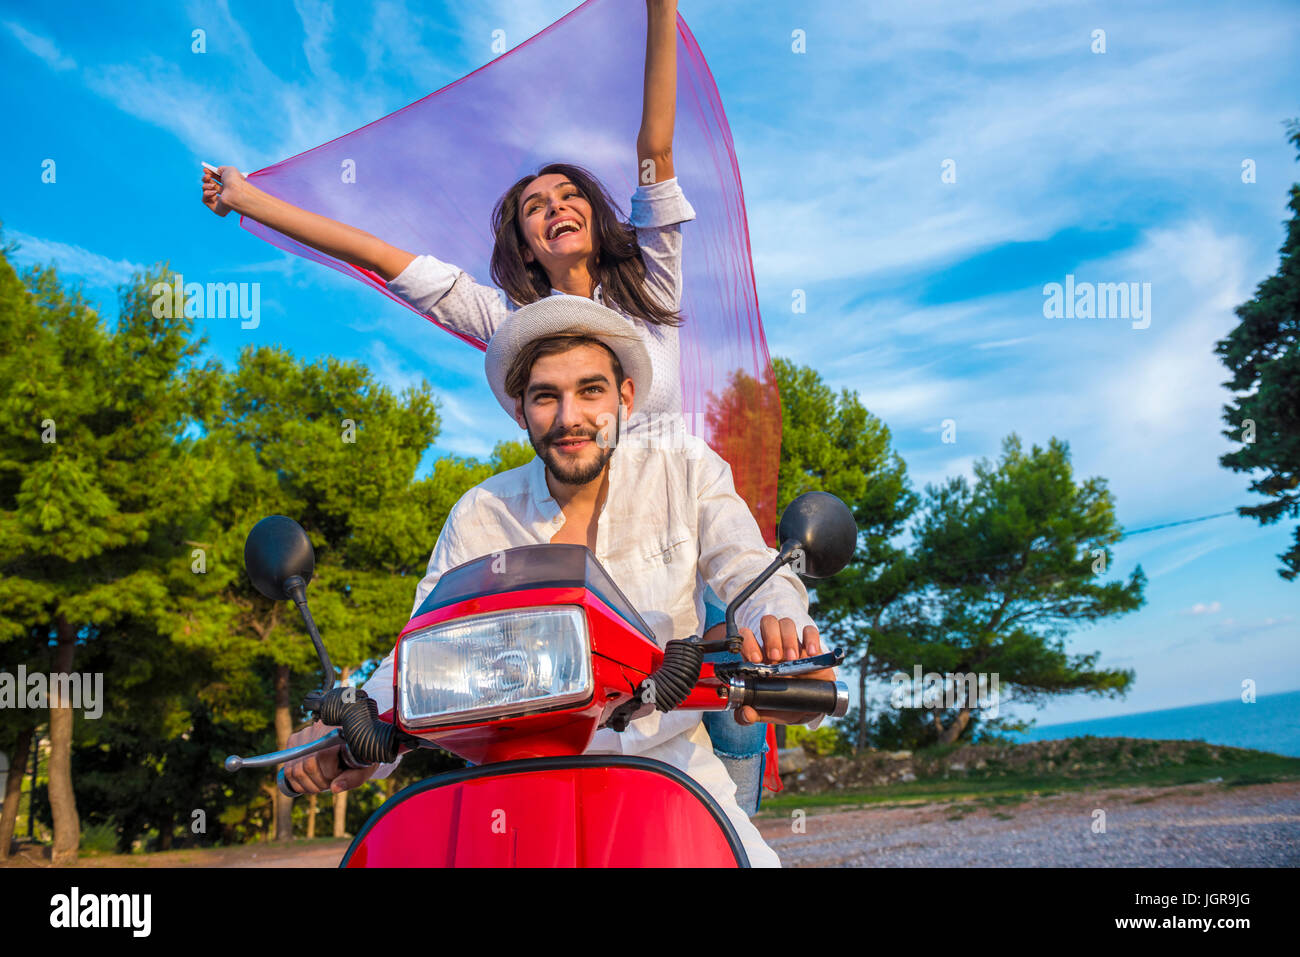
(739, 747)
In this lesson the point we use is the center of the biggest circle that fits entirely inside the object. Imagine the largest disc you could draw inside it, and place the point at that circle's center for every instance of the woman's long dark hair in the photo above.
(620, 269)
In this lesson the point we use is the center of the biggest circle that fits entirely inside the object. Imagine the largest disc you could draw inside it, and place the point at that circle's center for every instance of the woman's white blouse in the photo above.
(451, 296)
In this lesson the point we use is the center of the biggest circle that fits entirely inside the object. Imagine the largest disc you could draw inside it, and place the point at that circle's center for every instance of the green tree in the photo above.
(1262, 356)
(831, 443)
(326, 445)
(1008, 567)
(98, 484)
(129, 479)
(176, 711)
(152, 763)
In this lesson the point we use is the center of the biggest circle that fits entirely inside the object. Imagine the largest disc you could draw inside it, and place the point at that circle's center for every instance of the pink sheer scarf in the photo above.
(426, 178)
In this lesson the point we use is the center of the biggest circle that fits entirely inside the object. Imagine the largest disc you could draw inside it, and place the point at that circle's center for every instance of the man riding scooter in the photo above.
(659, 511)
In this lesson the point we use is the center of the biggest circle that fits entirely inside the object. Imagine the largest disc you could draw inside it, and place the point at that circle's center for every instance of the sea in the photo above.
(1270, 723)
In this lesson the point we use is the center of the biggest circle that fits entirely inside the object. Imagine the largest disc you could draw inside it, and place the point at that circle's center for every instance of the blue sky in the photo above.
(923, 295)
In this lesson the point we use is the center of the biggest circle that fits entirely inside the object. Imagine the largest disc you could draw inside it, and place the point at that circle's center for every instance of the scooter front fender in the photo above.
(573, 811)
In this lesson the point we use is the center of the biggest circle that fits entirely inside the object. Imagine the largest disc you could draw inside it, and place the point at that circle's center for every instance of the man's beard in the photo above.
(576, 472)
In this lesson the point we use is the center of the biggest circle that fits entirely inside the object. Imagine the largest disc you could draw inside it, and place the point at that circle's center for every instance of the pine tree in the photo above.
(1262, 356)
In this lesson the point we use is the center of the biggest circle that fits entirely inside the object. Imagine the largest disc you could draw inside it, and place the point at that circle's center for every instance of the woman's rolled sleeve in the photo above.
(660, 204)
(658, 210)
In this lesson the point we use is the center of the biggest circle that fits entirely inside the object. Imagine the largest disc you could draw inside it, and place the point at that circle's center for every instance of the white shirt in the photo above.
(672, 521)
(451, 296)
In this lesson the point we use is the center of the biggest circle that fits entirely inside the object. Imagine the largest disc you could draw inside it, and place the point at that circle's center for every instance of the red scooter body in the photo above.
(582, 811)
(534, 799)
(514, 661)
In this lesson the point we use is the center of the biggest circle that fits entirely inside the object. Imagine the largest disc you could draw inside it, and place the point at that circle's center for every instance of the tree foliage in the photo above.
(99, 487)
(831, 443)
(130, 476)
(1262, 356)
(1008, 567)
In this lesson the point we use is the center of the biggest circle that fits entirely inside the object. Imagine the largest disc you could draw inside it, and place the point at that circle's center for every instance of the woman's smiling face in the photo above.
(548, 202)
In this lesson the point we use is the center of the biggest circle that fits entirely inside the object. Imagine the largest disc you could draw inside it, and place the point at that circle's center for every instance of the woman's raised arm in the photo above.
(654, 144)
(352, 245)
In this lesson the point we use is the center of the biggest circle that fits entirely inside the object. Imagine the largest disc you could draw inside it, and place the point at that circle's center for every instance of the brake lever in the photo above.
(235, 762)
(779, 669)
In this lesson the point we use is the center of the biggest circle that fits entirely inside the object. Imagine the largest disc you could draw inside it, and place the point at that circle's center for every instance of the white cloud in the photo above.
(41, 46)
(471, 421)
(1185, 557)
(254, 117)
(1204, 609)
(476, 23)
(318, 27)
(1140, 407)
(1004, 343)
(291, 268)
(395, 41)
(1230, 630)
(389, 369)
(157, 91)
(70, 260)
(1154, 394)
(1037, 141)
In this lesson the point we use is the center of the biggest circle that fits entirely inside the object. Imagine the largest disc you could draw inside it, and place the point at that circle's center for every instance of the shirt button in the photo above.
(558, 520)
(668, 556)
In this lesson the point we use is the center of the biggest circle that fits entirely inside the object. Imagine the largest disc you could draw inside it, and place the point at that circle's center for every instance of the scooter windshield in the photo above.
(532, 566)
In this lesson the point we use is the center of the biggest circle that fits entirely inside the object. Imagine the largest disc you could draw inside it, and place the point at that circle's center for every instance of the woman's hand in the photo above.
(352, 245)
(222, 196)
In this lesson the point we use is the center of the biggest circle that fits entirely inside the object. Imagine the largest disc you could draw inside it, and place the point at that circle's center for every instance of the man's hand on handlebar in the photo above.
(781, 642)
(321, 771)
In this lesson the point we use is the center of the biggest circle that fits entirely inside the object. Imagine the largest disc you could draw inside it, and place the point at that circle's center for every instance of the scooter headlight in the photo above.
(505, 662)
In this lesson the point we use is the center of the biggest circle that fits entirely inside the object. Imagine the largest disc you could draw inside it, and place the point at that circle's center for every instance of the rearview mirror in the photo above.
(276, 551)
(824, 528)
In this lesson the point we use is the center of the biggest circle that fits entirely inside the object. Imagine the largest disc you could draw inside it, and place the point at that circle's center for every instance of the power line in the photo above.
(1136, 531)
(1185, 521)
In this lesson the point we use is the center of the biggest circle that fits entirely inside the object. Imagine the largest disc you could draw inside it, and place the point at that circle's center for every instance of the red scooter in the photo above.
(514, 664)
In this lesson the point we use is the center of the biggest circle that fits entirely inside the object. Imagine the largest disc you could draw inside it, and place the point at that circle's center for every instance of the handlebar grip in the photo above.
(368, 740)
(797, 694)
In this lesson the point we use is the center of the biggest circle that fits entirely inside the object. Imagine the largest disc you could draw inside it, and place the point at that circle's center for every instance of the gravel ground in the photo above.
(319, 853)
(1197, 825)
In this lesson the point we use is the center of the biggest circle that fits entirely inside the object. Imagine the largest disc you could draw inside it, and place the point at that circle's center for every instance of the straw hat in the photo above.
(561, 314)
